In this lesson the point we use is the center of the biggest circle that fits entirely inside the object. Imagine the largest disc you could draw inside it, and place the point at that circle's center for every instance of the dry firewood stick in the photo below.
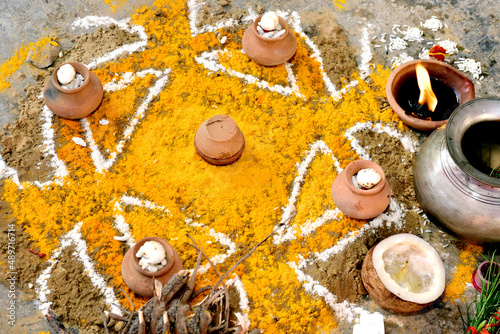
(176, 282)
(158, 306)
(133, 310)
(57, 326)
(104, 321)
(122, 309)
(142, 323)
(226, 310)
(248, 254)
(166, 323)
(183, 308)
(115, 316)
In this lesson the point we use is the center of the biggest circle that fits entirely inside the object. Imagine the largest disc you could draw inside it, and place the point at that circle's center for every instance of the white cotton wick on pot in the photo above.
(66, 74)
(269, 21)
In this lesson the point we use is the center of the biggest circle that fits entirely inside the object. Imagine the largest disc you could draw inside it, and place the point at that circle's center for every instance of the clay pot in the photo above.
(73, 103)
(452, 189)
(219, 141)
(138, 279)
(480, 275)
(269, 51)
(463, 87)
(359, 203)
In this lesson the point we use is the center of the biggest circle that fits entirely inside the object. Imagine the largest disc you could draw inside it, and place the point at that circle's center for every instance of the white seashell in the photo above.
(75, 83)
(260, 30)
(223, 40)
(269, 21)
(368, 178)
(79, 141)
(66, 74)
(280, 33)
(151, 268)
(152, 252)
(164, 262)
(124, 237)
(355, 182)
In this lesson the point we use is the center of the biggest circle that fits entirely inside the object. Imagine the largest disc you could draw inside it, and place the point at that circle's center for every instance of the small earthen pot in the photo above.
(73, 103)
(269, 51)
(480, 275)
(219, 141)
(463, 87)
(140, 280)
(359, 203)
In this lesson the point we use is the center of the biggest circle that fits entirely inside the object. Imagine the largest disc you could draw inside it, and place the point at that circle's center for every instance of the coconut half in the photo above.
(403, 273)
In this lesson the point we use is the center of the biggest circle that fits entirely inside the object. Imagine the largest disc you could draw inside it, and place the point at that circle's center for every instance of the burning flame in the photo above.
(427, 96)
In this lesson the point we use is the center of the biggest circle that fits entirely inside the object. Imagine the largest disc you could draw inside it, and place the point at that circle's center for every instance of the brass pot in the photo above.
(450, 187)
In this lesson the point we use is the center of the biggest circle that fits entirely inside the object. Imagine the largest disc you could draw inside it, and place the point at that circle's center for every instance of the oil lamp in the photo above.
(425, 92)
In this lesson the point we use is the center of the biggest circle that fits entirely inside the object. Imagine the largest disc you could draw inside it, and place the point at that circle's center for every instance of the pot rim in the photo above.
(283, 23)
(354, 167)
(80, 69)
(459, 122)
(417, 123)
(169, 253)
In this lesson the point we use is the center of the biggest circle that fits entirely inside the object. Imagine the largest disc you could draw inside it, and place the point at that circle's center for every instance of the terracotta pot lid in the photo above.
(219, 141)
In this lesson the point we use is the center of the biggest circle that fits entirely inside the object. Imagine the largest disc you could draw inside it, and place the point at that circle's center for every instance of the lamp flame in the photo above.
(427, 96)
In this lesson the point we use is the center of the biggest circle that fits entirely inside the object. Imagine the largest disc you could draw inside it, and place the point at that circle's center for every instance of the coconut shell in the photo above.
(378, 292)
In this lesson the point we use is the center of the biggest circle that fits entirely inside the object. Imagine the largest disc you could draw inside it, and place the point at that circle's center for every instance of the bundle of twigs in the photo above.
(485, 318)
(169, 310)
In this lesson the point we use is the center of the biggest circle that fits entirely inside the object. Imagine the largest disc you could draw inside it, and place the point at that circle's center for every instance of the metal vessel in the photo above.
(450, 188)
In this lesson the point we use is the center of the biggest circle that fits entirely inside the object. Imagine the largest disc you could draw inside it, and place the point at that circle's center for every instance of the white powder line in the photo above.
(394, 217)
(244, 304)
(49, 150)
(293, 80)
(238, 284)
(408, 143)
(74, 237)
(328, 215)
(127, 79)
(100, 162)
(344, 310)
(122, 226)
(295, 24)
(210, 60)
(288, 232)
(220, 238)
(95, 21)
(129, 200)
(9, 172)
(293, 20)
(366, 54)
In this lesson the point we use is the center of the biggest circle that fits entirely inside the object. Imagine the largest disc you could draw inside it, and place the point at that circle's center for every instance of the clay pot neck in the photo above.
(353, 169)
(221, 128)
(79, 69)
(168, 254)
(284, 25)
(470, 114)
